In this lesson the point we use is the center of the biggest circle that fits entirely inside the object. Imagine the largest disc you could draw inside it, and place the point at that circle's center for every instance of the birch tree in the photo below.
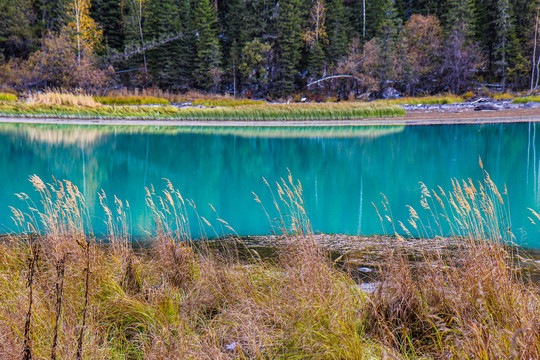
(87, 34)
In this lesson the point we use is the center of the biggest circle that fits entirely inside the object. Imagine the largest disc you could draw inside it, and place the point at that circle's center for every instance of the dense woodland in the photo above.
(270, 48)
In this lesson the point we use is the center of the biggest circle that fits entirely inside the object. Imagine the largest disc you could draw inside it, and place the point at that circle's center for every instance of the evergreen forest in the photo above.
(271, 48)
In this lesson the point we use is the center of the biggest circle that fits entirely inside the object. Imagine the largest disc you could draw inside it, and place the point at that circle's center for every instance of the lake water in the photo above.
(342, 170)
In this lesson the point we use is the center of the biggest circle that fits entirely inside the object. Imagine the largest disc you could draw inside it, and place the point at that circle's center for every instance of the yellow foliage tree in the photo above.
(87, 34)
(316, 34)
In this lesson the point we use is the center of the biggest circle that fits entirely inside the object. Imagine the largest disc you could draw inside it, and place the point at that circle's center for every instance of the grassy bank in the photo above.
(64, 296)
(284, 112)
(74, 106)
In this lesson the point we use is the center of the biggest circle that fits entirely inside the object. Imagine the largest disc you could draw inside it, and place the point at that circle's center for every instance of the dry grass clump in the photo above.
(472, 307)
(475, 304)
(60, 99)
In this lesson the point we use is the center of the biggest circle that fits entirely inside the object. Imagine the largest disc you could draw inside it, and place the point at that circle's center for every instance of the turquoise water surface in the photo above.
(342, 170)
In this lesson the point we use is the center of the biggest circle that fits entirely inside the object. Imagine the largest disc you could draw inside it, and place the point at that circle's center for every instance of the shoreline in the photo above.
(412, 118)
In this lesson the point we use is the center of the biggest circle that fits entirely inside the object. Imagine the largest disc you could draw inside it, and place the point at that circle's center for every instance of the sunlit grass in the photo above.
(53, 99)
(526, 99)
(227, 102)
(428, 100)
(503, 96)
(131, 100)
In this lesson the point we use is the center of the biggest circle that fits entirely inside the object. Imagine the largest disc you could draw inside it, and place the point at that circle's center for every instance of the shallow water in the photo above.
(342, 170)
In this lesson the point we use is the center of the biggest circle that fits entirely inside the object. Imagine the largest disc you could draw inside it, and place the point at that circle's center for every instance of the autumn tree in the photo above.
(316, 38)
(56, 65)
(419, 53)
(86, 32)
(460, 58)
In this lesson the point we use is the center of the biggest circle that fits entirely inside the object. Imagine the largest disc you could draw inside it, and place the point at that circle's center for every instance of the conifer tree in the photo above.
(387, 41)
(16, 17)
(288, 45)
(338, 30)
(52, 15)
(207, 61)
(171, 63)
(108, 15)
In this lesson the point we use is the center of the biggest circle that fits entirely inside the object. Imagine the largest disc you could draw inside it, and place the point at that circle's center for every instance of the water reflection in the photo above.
(342, 170)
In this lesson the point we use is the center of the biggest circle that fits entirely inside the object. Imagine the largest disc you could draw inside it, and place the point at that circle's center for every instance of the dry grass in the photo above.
(61, 99)
(503, 96)
(175, 300)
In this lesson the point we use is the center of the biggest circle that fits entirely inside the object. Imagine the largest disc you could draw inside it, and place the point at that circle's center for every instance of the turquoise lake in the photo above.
(342, 170)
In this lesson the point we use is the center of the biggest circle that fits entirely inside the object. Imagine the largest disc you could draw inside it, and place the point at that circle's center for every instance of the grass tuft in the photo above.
(227, 102)
(526, 99)
(131, 100)
(428, 100)
(8, 97)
